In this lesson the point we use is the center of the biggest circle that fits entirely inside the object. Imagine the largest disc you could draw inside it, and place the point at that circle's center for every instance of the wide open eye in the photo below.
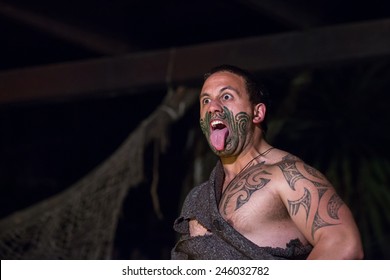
(205, 101)
(227, 96)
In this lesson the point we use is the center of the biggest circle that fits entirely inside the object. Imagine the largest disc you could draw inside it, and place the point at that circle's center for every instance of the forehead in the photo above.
(221, 79)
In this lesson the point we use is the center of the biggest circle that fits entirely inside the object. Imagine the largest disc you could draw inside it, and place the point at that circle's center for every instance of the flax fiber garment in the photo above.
(224, 242)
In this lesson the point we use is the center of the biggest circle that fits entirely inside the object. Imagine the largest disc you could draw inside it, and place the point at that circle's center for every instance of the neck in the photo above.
(233, 165)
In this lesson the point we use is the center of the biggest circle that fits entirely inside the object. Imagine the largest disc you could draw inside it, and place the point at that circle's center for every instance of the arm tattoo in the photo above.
(244, 185)
(312, 171)
(320, 186)
(334, 205)
(292, 175)
(305, 201)
(321, 190)
(318, 223)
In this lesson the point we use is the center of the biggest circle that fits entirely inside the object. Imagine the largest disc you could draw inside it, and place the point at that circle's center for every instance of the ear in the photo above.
(259, 113)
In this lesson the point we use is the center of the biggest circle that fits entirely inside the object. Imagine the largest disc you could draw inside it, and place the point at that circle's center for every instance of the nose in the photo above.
(214, 106)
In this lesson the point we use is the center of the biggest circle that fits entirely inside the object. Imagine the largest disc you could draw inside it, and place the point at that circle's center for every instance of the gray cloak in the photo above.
(224, 242)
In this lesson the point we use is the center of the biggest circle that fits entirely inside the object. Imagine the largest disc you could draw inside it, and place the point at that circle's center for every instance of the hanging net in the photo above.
(80, 222)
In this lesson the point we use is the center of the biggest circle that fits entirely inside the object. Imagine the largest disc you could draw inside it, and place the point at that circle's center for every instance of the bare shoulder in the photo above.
(315, 207)
(310, 198)
(290, 169)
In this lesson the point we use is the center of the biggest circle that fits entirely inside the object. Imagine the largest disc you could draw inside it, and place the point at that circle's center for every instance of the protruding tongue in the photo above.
(218, 137)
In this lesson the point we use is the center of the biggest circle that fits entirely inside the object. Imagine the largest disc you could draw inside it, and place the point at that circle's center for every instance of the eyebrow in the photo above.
(203, 94)
(231, 88)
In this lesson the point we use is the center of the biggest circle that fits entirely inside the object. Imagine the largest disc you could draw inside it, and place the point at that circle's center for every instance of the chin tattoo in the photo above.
(236, 124)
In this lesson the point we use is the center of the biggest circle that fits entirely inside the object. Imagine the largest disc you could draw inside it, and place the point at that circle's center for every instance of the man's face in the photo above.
(226, 113)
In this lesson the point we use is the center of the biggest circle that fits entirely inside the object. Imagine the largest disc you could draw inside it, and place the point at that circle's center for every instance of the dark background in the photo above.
(334, 115)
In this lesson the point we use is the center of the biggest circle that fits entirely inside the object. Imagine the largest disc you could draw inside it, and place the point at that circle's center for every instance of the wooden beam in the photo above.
(84, 78)
(286, 13)
(184, 66)
(75, 35)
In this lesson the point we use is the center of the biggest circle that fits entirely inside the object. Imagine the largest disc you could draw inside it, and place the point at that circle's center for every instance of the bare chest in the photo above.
(252, 205)
(249, 201)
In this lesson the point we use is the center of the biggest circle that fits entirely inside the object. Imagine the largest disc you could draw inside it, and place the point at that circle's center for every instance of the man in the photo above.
(260, 202)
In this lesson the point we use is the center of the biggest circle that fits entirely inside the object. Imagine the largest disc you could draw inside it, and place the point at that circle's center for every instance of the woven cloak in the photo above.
(224, 242)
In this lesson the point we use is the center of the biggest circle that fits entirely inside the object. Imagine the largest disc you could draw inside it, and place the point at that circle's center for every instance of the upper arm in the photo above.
(314, 206)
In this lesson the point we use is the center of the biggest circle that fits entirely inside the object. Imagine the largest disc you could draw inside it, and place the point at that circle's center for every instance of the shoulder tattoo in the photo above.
(292, 174)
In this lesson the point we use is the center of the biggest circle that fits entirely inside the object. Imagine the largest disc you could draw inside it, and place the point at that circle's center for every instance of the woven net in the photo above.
(80, 222)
